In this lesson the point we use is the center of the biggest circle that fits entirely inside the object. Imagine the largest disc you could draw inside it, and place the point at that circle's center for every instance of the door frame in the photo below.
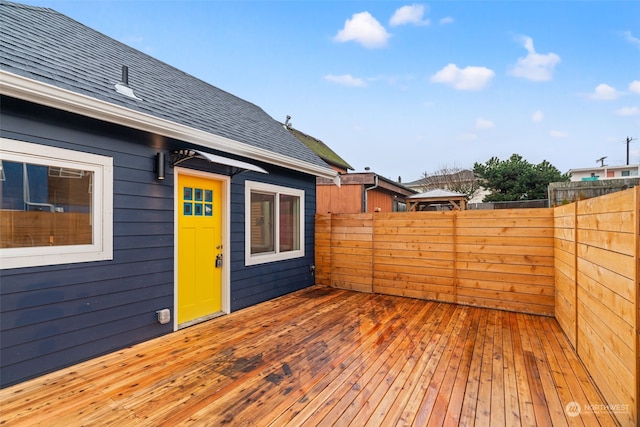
(226, 217)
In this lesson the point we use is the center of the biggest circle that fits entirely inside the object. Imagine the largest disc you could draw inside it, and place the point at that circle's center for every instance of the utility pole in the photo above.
(628, 142)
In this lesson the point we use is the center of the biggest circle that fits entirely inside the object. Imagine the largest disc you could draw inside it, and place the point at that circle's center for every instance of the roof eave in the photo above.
(52, 96)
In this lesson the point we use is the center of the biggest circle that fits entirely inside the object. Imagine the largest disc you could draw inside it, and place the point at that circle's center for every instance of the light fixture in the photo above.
(159, 166)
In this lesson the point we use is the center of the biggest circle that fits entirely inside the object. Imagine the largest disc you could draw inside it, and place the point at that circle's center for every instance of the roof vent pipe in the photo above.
(125, 75)
(123, 86)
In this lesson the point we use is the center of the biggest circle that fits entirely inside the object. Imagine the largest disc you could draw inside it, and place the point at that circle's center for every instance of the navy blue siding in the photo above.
(254, 284)
(55, 316)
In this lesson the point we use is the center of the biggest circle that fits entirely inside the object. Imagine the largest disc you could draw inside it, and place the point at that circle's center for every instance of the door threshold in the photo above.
(201, 319)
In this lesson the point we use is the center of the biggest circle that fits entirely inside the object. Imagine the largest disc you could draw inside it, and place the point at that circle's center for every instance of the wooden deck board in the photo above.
(324, 356)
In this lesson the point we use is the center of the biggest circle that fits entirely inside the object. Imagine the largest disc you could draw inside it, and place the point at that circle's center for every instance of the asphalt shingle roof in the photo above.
(44, 45)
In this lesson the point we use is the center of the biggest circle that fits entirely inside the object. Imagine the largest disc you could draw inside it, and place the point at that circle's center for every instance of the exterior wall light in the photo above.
(159, 166)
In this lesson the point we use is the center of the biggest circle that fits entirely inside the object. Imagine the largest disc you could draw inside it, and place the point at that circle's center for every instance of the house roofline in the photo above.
(603, 168)
(369, 178)
(52, 96)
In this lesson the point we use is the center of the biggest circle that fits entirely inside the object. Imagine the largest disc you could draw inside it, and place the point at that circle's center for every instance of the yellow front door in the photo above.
(199, 206)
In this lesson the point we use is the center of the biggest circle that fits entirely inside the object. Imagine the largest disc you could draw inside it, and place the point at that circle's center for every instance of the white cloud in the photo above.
(469, 78)
(446, 20)
(409, 15)
(537, 117)
(558, 134)
(631, 39)
(634, 86)
(604, 92)
(535, 66)
(346, 80)
(364, 29)
(628, 111)
(484, 123)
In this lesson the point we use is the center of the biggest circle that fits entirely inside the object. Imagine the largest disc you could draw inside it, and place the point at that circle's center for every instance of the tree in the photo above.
(516, 179)
(453, 179)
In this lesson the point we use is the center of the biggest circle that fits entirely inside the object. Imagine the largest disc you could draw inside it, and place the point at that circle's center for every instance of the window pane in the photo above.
(44, 205)
(262, 225)
(289, 223)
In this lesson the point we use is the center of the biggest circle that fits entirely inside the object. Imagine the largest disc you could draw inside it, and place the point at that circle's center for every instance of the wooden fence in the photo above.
(498, 259)
(596, 243)
(577, 262)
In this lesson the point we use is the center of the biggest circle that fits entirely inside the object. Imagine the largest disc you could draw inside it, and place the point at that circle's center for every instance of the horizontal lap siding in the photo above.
(505, 259)
(606, 236)
(55, 316)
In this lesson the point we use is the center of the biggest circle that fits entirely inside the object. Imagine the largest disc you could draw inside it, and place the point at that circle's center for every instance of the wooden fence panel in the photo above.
(607, 311)
(323, 249)
(566, 309)
(352, 252)
(498, 259)
(504, 259)
(414, 255)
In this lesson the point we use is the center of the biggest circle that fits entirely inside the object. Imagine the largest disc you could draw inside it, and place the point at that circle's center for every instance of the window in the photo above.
(626, 173)
(399, 206)
(274, 223)
(55, 205)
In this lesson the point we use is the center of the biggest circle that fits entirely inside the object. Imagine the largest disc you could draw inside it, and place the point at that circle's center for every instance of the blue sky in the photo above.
(407, 88)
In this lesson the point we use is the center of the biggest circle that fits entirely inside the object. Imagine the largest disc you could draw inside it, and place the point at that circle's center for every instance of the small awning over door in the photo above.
(179, 156)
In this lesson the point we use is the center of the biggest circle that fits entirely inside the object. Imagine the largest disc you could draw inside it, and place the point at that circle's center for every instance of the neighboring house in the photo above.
(361, 192)
(461, 181)
(604, 172)
(323, 151)
(593, 182)
(135, 199)
(354, 192)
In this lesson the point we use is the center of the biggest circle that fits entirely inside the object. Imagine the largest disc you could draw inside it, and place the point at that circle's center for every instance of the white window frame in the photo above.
(101, 212)
(276, 255)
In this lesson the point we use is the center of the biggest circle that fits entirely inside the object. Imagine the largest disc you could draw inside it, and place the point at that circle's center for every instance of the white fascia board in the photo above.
(52, 96)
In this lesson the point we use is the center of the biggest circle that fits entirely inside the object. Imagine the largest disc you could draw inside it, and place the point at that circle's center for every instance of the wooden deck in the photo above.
(323, 356)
